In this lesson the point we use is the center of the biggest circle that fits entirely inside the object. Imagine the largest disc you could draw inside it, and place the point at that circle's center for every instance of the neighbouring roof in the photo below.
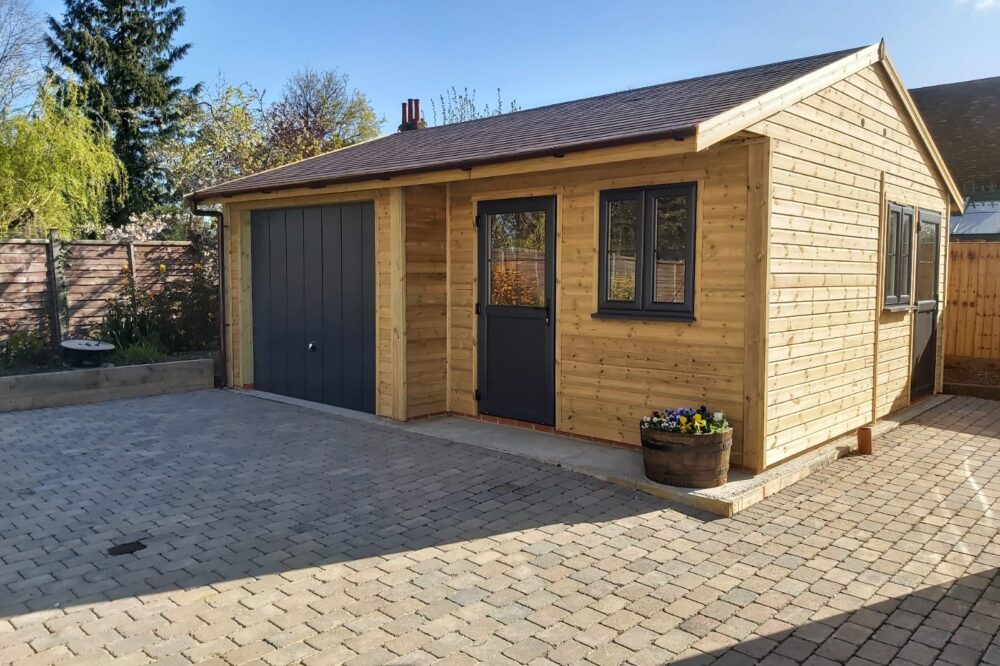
(632, 116)
(964, 119)
(979, 219)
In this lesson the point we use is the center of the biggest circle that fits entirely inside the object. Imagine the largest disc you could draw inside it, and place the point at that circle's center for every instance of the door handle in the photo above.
(548, 311)
(311, 347)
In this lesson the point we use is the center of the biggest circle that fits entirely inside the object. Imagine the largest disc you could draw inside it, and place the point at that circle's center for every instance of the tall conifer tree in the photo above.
(122, 53)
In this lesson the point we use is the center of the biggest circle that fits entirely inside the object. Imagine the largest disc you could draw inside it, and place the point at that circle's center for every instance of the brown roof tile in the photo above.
(631, 116)
(964, 119)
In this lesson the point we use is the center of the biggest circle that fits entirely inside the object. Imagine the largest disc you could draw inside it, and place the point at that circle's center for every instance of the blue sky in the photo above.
(541, 51)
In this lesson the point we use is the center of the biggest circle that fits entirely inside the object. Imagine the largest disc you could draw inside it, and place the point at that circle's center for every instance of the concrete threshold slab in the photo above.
(623, 465)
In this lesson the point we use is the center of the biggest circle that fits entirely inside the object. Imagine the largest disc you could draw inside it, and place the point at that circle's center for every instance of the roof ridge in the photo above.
(957, 83)
(817, 56)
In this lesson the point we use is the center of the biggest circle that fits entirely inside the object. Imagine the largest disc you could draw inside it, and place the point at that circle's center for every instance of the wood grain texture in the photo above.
(830, 151)
(610, 373)
(426, 300)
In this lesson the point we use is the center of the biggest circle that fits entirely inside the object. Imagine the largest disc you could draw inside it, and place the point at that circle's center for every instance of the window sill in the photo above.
(897, 308)
(642, 315)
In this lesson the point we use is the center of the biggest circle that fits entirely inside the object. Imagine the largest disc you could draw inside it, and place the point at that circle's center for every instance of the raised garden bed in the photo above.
(978, 380)
(74, 387)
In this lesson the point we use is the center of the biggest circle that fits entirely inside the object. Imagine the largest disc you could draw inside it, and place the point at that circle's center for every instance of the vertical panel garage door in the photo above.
(314, 303)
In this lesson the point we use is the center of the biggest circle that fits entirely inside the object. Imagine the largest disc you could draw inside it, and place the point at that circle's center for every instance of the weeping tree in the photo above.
(55, 168)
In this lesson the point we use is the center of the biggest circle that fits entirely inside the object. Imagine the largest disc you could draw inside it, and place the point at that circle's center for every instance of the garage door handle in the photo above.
(311, 346)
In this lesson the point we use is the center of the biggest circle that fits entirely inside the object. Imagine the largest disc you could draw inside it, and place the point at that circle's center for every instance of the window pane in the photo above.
(671, 248)
(905, 234)
(926, 261)
(890, 256)
(623, 246)
(517, 258)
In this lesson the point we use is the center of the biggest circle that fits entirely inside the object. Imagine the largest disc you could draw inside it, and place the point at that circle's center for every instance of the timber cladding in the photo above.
(92, 272)
(426, 300)
(609, 373)
(836, 361)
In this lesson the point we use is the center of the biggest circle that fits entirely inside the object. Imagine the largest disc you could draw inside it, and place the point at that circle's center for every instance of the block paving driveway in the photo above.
(276, 534)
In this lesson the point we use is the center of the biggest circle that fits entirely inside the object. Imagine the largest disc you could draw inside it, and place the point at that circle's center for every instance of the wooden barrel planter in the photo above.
(688, 461)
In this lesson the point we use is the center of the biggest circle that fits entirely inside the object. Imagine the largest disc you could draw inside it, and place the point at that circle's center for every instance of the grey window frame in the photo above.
(643, 306)
(898, 275)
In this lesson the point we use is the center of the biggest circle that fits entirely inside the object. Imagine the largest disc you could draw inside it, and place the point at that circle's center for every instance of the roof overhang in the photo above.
(708, 133)
(746, 115)
(583, 154)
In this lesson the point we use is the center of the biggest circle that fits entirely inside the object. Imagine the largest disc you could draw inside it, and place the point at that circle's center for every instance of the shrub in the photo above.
(177, 316)
(142, 351)
(127, 319)
(24, 349)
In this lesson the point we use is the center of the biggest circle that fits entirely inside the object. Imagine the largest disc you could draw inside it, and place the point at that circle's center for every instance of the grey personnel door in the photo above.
(313, 282)
(928, 256)
(516, 293)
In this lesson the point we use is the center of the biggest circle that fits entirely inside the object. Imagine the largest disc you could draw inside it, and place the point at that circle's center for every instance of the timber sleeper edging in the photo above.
(89, 385)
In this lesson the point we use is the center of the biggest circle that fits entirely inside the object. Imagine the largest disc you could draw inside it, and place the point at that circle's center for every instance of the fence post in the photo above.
(131, 263)
(57, 289)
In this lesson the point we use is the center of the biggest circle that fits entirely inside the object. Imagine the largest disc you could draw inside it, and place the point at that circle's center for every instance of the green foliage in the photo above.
(55, 169)
(140, 351)
(177, 316)
(24, 349)
(223, 138)
(127, 319)
(121, 52)
(231, 132)
(318, 113)
(456, 107)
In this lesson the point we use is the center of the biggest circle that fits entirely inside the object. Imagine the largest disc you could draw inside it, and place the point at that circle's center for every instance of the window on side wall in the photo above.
(898, 257)
(647, 252)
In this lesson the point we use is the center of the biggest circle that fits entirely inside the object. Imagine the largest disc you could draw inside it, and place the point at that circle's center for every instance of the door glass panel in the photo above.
(671, 249)
(623, 241)
(927, 245)
(517, 258)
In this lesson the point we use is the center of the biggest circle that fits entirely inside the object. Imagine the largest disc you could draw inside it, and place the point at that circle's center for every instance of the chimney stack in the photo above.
(411, 116)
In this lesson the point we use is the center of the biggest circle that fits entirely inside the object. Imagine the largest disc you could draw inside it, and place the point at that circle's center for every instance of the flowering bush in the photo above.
(686, 420)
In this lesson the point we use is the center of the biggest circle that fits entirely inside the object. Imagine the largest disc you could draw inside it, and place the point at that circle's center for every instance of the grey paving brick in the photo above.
(278, 534)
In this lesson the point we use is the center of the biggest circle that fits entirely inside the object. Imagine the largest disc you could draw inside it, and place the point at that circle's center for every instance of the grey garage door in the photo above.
(314, 303)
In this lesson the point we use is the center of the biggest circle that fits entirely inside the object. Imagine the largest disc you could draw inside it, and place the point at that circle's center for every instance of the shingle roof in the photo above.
(964, 119)
(631, 116)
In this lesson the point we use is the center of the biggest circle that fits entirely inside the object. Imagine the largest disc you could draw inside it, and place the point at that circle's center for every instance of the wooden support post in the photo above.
(131, 263)
(57, 288)
(883, 221)
(755, 336)
(397, 296)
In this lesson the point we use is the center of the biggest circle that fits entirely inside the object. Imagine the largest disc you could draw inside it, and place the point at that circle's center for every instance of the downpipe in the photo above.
(207, 212)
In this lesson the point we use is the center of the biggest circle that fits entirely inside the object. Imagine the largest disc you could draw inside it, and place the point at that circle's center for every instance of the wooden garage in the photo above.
(769, 242)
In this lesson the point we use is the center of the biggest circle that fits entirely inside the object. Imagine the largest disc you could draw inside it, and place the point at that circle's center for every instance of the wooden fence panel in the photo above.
(94, 272)
(25, 300)
(973, 307)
